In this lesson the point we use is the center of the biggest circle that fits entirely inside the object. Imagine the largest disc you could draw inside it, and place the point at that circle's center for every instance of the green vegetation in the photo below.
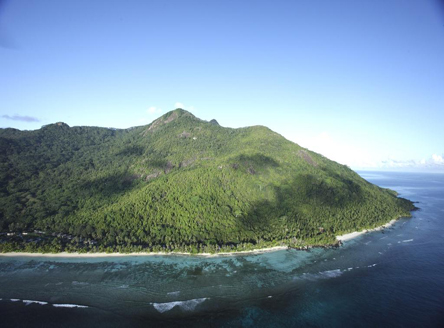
(178, 184)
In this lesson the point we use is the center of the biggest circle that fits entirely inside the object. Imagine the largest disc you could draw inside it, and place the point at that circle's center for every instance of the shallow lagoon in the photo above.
(390, 278)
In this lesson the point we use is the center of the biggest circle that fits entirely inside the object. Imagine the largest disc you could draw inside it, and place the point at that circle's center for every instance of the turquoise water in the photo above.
(393, 278)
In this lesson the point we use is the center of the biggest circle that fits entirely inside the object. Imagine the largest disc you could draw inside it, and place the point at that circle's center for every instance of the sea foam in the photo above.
(78, 283)
(27, 302)
(321, 275)
(189, 305)
(330, 273)
(176, 293)
(70, 306)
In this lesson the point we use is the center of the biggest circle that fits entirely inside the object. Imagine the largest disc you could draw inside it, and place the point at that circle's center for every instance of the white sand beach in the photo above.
(92, 255)
(355, 234)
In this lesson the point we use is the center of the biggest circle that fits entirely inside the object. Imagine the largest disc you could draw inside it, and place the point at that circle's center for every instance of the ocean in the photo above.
(390, 278)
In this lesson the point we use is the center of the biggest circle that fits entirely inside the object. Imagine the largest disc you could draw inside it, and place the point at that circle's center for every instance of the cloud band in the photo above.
(21, 118)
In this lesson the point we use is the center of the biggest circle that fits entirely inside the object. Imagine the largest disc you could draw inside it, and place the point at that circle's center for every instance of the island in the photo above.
(178, 185)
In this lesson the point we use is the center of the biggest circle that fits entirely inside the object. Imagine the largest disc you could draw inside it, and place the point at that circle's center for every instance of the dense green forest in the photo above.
(178, 184)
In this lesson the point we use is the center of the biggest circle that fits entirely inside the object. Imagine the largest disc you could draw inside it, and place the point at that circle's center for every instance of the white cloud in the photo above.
(153, 110)
(179, 105)
(22, 118)
(437, 159)
(433, 162)
(394, 163)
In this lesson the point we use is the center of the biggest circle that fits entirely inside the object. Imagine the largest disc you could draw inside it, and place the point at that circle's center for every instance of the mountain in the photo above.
(179, 183)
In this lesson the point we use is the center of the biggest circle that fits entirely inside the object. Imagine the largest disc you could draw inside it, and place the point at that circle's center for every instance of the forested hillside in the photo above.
(180, 184)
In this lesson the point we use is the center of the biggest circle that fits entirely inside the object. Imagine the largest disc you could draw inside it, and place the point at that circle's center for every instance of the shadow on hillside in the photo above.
(253, 164)
(109, 186)
(134, 150)
(257, 160)
(337, 195)
(119, 183)
(292, 196)
(347, 181)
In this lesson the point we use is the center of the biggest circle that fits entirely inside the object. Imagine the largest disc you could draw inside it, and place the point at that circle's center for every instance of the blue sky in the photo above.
(361, 82)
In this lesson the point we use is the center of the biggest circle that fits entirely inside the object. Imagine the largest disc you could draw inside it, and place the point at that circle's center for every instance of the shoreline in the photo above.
(340, 239)
(352, 235)
(94, 255)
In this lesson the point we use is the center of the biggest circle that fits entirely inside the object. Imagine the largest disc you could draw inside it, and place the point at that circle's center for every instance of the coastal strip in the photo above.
(340, 238)
(92, 255)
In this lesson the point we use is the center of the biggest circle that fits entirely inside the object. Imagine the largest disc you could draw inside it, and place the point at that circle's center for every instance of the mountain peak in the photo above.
(167, 118)
(173, 114)
(180, 112)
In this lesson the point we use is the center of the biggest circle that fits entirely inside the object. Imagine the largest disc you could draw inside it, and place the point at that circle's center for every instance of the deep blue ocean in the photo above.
(391, 278)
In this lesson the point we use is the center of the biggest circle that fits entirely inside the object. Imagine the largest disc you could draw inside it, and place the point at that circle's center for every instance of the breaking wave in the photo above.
(189, 305)
(27, 302)
(70, 306)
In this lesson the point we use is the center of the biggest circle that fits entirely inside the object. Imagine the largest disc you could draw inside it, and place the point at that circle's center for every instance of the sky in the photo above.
(361, 82)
